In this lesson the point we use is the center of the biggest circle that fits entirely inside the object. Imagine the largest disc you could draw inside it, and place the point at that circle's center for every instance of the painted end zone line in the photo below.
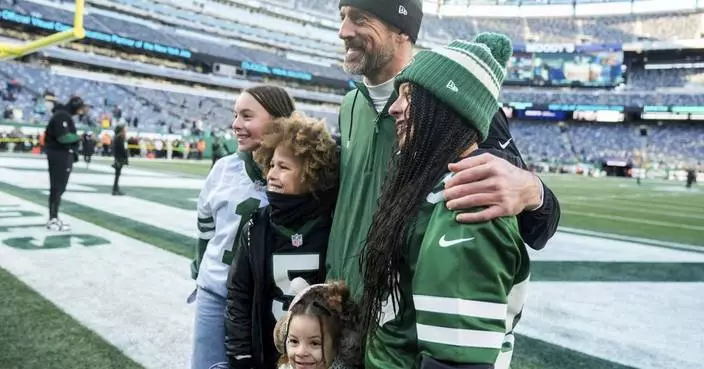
(148, 212)
(646, 241)
(130, 293)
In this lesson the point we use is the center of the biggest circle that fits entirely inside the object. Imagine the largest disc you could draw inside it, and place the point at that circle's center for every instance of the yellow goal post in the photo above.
(11, 51)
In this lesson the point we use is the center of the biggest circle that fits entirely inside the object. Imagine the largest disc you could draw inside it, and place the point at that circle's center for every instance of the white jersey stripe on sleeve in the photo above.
(206, 235)
(460, 337)
(203, 216)
(503, 361)
(516, 299)
(207, 225)
(456, 306)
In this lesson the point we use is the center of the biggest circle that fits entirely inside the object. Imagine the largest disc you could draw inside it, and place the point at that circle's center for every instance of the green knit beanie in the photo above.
(467, 76)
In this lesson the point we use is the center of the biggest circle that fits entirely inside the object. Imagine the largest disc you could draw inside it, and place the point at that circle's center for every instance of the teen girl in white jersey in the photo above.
(233, 190)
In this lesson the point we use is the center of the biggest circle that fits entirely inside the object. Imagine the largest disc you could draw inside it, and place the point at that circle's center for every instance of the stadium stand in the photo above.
(157, 107)
(129, 26)
(291, 35)
(300, 37)
(593, 142)
(651, 79)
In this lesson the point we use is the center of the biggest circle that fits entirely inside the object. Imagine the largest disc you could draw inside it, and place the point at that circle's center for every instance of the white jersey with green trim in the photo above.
(228, 195)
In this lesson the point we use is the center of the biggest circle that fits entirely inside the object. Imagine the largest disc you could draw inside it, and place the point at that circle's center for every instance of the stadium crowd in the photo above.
(166, 109)
(189, 116)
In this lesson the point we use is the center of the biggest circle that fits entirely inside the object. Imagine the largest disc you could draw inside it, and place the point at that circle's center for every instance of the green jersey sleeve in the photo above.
(469, 288)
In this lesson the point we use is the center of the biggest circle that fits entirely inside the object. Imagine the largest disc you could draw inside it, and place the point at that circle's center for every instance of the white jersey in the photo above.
(230, 193)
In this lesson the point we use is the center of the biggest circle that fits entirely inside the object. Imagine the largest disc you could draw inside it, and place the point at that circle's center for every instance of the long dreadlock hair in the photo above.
(435, 137)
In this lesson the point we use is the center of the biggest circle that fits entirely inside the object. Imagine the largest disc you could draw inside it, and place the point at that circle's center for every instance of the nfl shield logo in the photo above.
(297, 240)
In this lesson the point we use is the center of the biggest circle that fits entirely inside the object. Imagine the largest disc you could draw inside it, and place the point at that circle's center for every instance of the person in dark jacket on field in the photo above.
(220, 150)
(120, 155)
(691, 177)
(61, 152)
(285, 241)
(88, 147)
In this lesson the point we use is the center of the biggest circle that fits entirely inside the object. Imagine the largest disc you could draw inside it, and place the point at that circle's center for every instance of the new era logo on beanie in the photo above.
(465, 75)
(451, 85)
(405, 15)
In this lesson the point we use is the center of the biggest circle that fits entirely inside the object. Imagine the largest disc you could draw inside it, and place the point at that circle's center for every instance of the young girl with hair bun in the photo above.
(320, 330)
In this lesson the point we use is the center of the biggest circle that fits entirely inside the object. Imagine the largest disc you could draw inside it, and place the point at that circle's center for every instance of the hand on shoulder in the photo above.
(491, 182)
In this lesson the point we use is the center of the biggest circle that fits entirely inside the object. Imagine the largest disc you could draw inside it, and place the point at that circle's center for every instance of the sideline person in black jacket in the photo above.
(121, 157)
(220, 149)
(88, 147)
(284, 241)
(61, 152)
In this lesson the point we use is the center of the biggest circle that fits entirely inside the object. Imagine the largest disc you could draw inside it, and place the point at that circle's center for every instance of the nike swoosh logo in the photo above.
(505, 145)
(445, 243)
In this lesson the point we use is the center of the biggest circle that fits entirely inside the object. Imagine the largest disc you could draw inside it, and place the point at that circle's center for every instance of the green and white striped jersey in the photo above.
(465, 297)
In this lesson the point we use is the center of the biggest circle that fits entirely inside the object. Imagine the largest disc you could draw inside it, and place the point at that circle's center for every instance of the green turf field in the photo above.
(659, 210)
(192, 167)
(37, 335)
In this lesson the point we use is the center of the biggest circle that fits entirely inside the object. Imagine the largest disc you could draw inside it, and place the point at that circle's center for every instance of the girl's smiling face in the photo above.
(305, 345)
(400, 110)
(285, 173)
(249, 122)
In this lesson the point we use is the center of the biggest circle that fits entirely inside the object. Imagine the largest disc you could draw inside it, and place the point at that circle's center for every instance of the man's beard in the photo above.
(370, 62)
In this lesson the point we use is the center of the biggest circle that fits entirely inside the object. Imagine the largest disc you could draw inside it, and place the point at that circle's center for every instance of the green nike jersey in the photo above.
(465, 295)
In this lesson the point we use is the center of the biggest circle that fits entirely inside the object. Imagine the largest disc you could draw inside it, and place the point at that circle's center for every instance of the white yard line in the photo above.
(130, 293)
(81, 181)
(148, 212)
(616, 197)
(126, 171)
(41, 163)
(643, 208)
(652, 203)
(636, 220)
(572, 247)
(35, 180)
(637, 240)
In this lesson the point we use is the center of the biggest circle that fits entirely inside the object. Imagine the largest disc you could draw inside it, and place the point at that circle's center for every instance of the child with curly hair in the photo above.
(283, 241)
(320, 330)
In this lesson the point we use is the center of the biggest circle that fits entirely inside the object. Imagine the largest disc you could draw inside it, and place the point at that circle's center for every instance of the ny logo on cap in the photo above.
(402, 10)
(451, 85)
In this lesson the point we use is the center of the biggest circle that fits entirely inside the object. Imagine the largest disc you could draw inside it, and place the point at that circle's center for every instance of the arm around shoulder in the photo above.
(538, 223)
